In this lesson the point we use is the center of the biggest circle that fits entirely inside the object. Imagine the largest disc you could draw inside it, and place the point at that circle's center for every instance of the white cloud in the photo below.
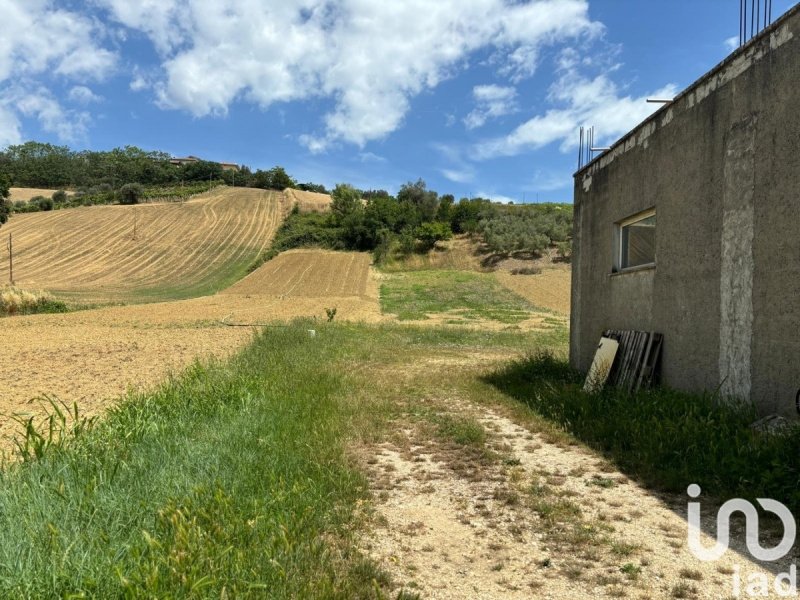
(10, 129)
(498, 197)
(81, 94)
(731, 43)
(370, 157)
(459, 176)
(492, 101)
(369, 57)
(40, 39)
(581, 101)
(39, 103)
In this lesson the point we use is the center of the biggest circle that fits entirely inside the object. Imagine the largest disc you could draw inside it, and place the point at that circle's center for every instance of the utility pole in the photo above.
(10, 261)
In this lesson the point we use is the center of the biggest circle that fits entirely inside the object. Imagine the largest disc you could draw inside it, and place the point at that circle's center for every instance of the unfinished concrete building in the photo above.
(690, 226)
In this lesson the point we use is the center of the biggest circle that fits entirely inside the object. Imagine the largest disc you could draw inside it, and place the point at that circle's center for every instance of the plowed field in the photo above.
(309, 274)
(309, 201)
(144, 252)
(92, 356)
(549, 289)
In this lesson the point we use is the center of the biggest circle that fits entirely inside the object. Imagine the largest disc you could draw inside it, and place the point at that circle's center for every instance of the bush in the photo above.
(130, 193)
(59, 197)
(44, 203)
(430, 233)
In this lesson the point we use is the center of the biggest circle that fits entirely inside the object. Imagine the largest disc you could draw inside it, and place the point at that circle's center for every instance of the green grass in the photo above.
(229, 480)
(416, 294)
(232, 479)
(667, 438)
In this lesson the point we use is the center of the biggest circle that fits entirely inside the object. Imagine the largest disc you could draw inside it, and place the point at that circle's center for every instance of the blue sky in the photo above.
(477, 97)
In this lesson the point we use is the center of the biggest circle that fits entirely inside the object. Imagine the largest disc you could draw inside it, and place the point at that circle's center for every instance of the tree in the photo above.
(312, 187)
(425, 201)
(279, 179)
(430, 233)
(445, 210)
(5, 204)
(201, 170)
(130, 193)
(345, 201)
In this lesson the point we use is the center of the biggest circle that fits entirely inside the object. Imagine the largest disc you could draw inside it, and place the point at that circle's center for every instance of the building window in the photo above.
(636, 241)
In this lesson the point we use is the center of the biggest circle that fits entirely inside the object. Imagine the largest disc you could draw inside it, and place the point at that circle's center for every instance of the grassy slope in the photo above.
(415, 294)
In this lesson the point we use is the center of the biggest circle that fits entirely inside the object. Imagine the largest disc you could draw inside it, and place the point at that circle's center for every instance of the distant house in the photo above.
(193, 159)
(690, 226)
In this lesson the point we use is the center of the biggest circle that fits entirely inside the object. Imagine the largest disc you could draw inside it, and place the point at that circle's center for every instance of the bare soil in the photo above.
(549, 289)
(28, 193)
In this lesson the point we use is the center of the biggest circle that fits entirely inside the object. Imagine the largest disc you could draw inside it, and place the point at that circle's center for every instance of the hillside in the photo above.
(145, 252)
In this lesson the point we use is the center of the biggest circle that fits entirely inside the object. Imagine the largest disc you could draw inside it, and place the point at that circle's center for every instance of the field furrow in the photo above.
(179, 250)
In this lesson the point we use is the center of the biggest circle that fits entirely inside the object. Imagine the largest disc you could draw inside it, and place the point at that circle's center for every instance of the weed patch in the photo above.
(416, 294)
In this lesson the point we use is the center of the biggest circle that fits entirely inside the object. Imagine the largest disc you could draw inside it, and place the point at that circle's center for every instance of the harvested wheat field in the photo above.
(549, 289)
(25, 194)
(309, 273)
(308, 201)
(92, 356)
(145, 252)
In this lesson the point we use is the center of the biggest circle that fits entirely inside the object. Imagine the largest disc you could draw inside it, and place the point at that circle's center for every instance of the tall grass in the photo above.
(16, 301)
(670, 439)
(228, 481)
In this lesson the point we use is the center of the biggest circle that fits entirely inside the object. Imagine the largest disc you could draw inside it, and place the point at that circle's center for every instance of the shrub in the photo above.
(44, 203)
(430, 233)
(130, 193)
(59, 197)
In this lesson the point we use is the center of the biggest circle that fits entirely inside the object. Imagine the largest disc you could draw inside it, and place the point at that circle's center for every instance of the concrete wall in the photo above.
(721, 165)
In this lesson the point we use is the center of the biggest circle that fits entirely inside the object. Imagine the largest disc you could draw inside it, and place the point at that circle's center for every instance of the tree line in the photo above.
(42, 165)
(417, 218)
(122, 175)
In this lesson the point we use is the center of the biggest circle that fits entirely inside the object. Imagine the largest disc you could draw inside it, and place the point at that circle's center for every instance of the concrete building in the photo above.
(690, 226)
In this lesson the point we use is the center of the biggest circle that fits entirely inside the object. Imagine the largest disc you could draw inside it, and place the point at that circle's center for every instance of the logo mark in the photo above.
(751, 528)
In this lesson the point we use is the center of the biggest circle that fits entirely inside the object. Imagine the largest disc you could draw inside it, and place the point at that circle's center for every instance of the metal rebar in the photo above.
(740, 22)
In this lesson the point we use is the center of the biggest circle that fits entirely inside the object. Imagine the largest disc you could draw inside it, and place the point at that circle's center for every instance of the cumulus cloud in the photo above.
(491, 101)
(371, 58)
(40, 39)
(577, 100)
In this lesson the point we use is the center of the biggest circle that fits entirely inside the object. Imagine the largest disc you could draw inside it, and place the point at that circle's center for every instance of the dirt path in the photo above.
(529, 516)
